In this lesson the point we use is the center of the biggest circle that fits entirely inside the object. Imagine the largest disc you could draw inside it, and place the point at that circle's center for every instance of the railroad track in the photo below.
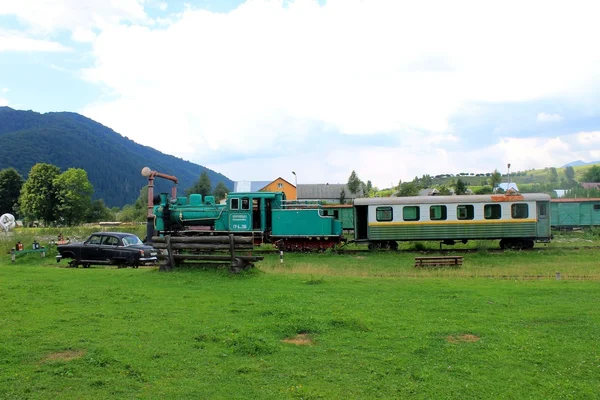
(443, 251)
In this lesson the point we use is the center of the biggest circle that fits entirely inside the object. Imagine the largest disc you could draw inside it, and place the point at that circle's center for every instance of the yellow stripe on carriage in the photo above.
(461, 222)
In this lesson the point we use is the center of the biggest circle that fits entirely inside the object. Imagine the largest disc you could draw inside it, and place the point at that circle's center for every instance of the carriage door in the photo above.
(543, 220)
(256, 210)
(361, 222)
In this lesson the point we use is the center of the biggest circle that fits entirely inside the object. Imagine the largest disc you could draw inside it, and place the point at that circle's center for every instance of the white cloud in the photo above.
(384, 166)
(544, 117)
(13, 41)
(83, 35)
(198, 84)
(3, 102)
(5, 90)
(44, 16)
(361, 67)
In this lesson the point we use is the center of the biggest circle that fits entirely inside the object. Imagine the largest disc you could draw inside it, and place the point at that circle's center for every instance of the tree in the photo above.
(368, 189)
(426, 181)
(460, 187)
(220, 191)
(354, 183)
(74, 196)
(484, 190)
(128, 214)
(342, 196)
(141, 203)
(202, 186)
(443, 190)
(553, 176)
(570, 174)
(137, 211)
(408, 189)
(495, 178)
(592, 174)
(99, 212)
(38, 197)
(10, 188)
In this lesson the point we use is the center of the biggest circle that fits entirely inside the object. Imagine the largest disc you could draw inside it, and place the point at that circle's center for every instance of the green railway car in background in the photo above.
(567, 214)
(518, 220)
(342, 212)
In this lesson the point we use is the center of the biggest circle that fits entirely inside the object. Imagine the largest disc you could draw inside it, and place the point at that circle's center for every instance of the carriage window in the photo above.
(411, 213)
(596, 207)
(245, 203)
(465, 212)
(519, 210)
(235, 204)
(437, 213)
(543, 210)
(384, 214)
(492, 211)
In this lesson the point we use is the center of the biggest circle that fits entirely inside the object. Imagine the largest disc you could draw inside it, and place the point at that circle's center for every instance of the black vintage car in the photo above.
(113, 248)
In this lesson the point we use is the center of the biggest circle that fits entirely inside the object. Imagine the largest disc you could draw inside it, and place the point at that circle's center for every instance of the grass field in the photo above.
(317, 326)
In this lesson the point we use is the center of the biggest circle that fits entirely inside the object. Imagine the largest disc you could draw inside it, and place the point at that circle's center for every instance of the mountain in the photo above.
(112, 161)
(579, 163)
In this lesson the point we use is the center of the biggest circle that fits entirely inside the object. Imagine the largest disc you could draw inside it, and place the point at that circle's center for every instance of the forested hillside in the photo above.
(112, 162)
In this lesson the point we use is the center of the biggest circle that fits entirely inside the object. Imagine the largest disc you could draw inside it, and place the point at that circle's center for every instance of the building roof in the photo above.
(249, 186)
(590, 185)
(325, 191)
(274, 180)
(577, 200)
(505, 186)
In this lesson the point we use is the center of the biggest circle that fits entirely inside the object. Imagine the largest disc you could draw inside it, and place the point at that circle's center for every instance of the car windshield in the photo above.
(131, 240)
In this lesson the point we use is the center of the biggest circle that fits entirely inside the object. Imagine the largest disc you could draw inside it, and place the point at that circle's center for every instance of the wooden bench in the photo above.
(14, 253)
(439, 261)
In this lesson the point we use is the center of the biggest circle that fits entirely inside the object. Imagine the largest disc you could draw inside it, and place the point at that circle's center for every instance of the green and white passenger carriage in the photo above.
(517, 220)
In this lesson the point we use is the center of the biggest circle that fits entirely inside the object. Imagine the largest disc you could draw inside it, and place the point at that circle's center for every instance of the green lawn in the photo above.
(364, 327)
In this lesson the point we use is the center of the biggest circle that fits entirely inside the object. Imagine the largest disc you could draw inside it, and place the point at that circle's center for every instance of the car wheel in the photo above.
(86, 265)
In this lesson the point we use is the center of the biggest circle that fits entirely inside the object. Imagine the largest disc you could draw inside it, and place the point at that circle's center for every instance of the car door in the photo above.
(108, 247)
(91, 248)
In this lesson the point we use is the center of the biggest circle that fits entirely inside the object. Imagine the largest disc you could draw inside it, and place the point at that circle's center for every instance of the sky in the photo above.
(257, 89)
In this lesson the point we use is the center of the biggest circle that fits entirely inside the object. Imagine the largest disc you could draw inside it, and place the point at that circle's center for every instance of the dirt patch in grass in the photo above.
(464, 338)
(67, 355)
(360, 257)
(301, 339)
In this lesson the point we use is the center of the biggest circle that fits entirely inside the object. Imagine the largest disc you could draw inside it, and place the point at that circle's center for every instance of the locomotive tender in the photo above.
(518, 220)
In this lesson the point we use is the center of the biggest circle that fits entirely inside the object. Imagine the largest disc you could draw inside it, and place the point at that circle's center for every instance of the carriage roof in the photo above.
(465, 199)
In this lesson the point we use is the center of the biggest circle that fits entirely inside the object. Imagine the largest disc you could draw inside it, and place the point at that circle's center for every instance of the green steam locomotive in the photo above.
(266, 216)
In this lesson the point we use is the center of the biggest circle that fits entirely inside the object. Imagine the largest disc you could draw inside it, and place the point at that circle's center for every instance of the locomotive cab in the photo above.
(252, 211)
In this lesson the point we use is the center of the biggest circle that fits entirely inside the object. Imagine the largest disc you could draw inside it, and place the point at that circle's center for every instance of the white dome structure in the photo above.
(7, 222)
